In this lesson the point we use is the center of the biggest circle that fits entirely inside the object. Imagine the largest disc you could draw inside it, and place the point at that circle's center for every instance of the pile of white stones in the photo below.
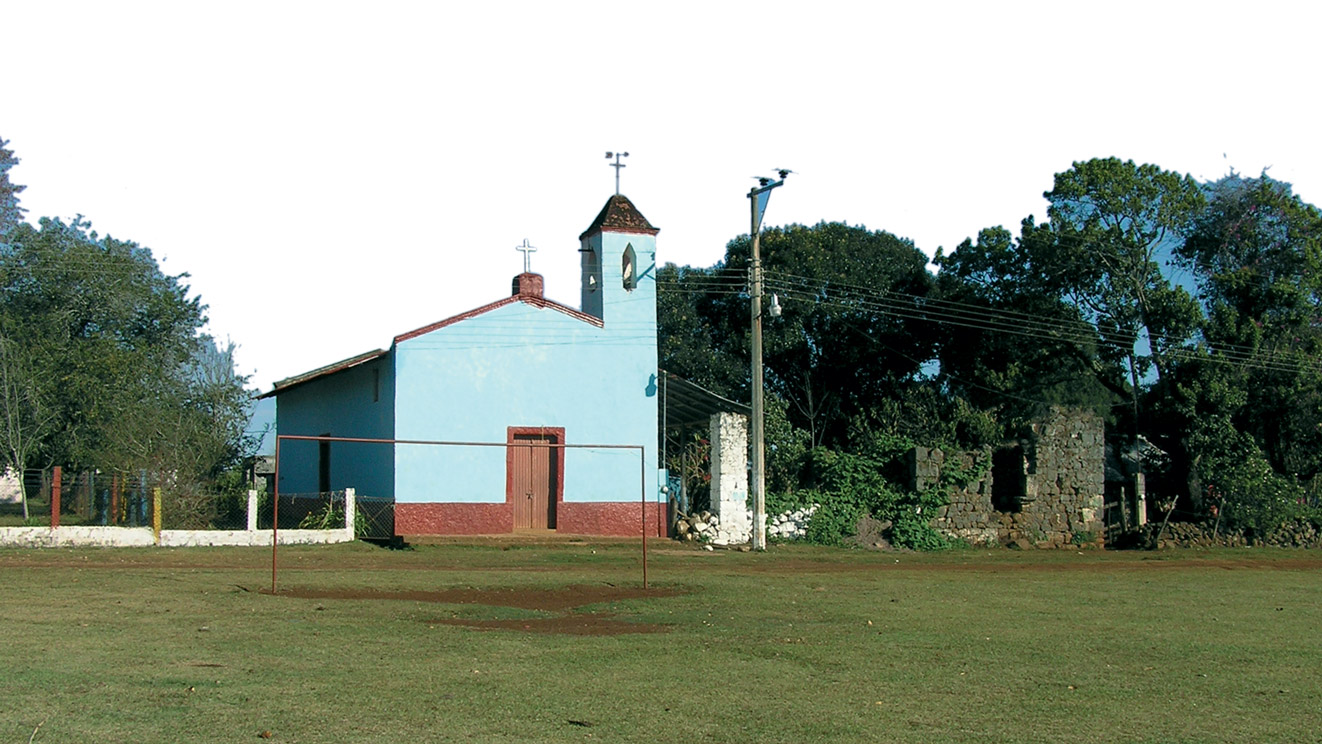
(707, 527)
(791, 525)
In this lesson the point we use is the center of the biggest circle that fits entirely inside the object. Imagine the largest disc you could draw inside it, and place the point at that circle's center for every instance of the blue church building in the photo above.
(525, 374)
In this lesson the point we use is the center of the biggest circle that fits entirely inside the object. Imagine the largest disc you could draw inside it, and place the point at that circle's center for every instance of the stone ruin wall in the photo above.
(1056, 502)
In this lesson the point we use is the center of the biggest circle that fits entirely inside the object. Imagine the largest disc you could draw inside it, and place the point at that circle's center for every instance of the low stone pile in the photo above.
(707, 527)
(790, 525)
(1297, 534)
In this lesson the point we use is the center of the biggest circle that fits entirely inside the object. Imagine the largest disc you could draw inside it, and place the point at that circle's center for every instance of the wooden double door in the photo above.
(532, 483)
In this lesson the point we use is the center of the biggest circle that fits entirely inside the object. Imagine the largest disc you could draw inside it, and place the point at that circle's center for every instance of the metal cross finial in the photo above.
(526, 249)
(617, 165)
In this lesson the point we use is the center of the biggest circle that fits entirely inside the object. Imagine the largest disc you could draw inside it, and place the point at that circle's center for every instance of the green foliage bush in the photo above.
(835, 519)
(779, 502)
(1239, 481)
(914, 530)
(850, 486)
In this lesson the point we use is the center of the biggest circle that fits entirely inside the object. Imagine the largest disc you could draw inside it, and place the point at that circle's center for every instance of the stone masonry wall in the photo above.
(1050, 493)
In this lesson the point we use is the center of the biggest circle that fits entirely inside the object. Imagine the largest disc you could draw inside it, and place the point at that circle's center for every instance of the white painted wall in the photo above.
(142, 537)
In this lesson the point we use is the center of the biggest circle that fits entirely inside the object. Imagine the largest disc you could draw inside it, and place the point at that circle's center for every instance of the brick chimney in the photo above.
(527, 284)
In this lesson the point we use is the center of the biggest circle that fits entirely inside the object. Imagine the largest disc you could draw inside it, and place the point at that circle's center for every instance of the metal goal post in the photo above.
(275, 521)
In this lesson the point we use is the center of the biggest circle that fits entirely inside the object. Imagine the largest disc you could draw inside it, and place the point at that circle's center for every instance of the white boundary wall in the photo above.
(145, 537)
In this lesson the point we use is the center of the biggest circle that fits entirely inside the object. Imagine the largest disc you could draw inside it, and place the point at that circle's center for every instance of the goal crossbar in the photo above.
(275, 517)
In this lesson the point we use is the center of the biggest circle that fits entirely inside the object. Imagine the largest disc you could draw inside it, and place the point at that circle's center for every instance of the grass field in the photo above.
(483, 642)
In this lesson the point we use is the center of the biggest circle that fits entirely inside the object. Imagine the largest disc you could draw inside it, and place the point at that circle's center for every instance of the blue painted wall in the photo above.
(523, 366)
(348, 404)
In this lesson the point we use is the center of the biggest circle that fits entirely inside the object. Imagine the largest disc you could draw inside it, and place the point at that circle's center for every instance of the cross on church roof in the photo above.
(526, 249)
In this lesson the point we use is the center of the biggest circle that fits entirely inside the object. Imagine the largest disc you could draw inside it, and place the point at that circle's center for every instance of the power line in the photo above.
(1038, 332)
(847, 296)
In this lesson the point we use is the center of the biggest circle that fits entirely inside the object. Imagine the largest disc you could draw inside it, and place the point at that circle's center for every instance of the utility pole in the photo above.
(757, 199)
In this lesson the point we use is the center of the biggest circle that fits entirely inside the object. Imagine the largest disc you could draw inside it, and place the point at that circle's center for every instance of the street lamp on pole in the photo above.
(758, 198)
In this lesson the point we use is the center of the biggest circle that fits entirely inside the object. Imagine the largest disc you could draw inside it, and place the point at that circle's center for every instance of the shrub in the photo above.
(1240, 481)
(783, 501)
(914, 530)
(850, 487)
(835, 521)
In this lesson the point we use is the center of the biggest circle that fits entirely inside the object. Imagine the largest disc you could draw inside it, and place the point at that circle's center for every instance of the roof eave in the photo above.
(282, 386)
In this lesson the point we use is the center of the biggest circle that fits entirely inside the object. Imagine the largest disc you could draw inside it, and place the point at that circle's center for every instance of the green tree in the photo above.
(837, 359)
(851, 334)
(1257, 387)
(1114, 224)
(112, 353)
(1016, 345)
(1082, 310)
(11, 214)
(698, 332)
(25, 418)
(111, 327)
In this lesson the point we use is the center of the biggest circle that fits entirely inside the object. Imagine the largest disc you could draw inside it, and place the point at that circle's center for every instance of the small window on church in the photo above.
(629, 268)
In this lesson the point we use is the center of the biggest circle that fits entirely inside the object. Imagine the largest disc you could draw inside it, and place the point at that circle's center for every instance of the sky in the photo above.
(332, 174)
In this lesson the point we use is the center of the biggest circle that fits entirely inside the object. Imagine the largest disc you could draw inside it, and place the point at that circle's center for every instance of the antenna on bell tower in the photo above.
(617, 165)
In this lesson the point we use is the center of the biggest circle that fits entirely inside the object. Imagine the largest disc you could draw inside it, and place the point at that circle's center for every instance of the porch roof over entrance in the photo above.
(685, 403)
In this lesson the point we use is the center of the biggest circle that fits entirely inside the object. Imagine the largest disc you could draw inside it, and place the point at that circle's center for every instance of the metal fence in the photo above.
(374, 517)
(97, 498)
(87, 497)
(303, 511)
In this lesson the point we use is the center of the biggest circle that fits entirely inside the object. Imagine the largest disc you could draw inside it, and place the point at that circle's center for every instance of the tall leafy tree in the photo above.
(850, 340)
(1014, 344)
(1115, 225)
(1257, 393)
(26, 419)
(107, 326)
(851, 335)
(110, 345)
(11, 214)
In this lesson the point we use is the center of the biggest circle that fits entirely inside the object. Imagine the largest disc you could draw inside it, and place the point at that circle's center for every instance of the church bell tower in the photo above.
(619, 268)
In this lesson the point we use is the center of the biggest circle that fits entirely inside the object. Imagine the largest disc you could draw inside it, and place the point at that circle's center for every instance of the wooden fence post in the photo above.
(112, 510)
(156, 513)
(55, 498)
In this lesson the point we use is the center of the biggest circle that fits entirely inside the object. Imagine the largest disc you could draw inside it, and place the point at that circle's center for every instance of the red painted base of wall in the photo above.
(614, 518)
(618, 519)
(453, 519)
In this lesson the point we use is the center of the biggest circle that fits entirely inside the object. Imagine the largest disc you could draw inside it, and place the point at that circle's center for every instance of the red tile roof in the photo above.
(620, 215)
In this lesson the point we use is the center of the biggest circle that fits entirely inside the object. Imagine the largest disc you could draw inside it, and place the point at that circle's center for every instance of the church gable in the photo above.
(505, 326)
(528, 300)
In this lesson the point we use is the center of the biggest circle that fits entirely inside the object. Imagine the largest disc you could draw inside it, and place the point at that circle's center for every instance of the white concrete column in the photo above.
(350, 509)
(729, 477)
(252, 510)
(1140, 502)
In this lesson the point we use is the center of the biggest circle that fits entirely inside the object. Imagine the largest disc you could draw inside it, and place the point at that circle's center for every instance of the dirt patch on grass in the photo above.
(561, 600)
